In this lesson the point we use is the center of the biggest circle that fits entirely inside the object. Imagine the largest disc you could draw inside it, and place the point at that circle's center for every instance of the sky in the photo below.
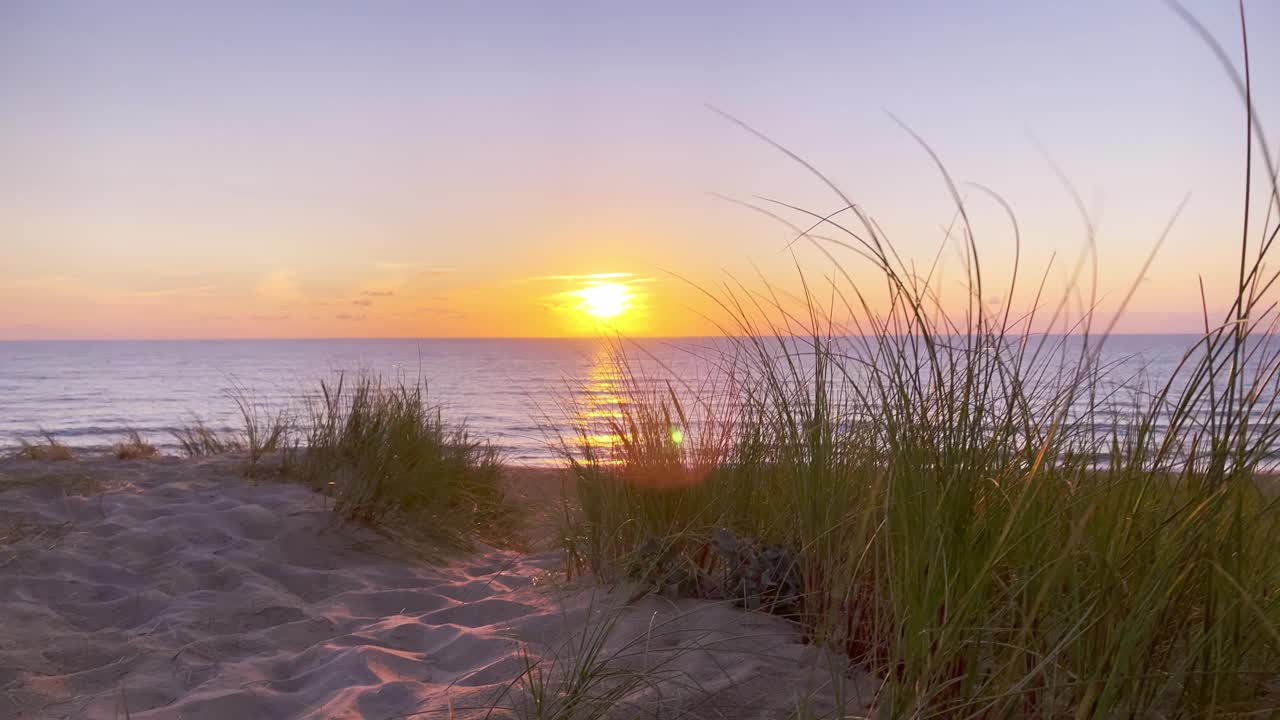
(424, 169)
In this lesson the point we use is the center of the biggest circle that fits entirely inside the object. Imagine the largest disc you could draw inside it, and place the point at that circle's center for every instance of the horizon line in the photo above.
(500, 337)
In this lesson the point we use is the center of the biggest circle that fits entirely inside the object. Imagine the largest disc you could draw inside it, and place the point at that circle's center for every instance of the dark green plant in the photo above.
(759, 577)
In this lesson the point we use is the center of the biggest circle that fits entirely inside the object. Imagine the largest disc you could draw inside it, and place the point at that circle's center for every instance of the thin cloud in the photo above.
(377, 293)
(362, 303)
(444, 312)
(411, 267)
(589, 276)
(166, 292)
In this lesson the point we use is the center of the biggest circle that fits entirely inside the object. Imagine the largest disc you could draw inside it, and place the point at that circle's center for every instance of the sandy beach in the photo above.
(176, 588)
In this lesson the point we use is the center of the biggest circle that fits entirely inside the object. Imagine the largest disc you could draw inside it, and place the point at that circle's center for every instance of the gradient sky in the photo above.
(227, 169)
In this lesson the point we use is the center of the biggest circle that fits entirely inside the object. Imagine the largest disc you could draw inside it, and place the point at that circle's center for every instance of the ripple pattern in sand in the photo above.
(194, 594)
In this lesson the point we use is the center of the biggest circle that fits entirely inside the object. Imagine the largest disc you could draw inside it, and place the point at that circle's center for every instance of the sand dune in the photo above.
(180, 589)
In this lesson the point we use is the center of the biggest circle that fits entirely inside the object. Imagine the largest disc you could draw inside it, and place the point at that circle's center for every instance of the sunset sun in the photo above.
(604, 301)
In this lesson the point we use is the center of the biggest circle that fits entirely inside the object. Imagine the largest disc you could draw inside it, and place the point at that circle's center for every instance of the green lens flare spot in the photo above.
(677, 435)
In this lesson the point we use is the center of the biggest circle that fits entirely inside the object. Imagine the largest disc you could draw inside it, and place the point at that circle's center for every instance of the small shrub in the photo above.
(757, 576)
(133, 447)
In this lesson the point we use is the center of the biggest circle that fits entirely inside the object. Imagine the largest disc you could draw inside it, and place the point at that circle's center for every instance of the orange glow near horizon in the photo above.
(401, 300)
(381, 302)
(378, 170)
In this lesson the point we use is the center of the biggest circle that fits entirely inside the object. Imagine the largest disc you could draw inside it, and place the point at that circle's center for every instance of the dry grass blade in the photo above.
(50, 449)
(133, 447)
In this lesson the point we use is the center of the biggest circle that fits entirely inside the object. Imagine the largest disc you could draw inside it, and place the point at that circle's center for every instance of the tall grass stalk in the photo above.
(607, 668)
(197, 439)
(267, 431)
(133, 447)
(965, 523)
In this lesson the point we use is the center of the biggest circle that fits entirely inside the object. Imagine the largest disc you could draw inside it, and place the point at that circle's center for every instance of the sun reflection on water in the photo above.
(625, 418)
(600, 400)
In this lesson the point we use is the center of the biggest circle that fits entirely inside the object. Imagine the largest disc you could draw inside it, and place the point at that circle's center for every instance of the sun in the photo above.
(604, 301)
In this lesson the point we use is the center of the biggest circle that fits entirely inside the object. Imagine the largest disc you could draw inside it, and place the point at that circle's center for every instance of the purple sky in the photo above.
(230, 168)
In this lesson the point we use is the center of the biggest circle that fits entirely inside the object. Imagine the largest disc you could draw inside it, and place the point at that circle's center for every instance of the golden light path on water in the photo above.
(612, 410)
(599, 412)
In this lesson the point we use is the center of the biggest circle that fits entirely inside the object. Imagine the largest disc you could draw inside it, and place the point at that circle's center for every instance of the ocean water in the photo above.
(513, 391)
(86, 393)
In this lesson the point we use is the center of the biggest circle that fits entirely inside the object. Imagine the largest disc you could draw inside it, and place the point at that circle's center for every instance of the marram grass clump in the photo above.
(50, 449)
(974, 509)
(133, 447)
(948, 520)
(268, 433)
(196, 439)
(390, 459)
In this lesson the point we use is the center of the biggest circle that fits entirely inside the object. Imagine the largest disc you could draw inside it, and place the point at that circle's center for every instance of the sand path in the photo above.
(180, 589)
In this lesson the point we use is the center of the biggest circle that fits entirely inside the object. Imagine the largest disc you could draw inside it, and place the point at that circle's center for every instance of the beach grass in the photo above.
(133, 447)
(969, 580)
(944, 517)
(961, 498)
(49, 449)
(196, 439)
(267, 431)
(602, 670)
(387, 457)
(390, 459)
(586, 677)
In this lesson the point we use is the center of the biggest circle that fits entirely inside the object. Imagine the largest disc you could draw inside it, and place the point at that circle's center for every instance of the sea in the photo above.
(521, 394)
